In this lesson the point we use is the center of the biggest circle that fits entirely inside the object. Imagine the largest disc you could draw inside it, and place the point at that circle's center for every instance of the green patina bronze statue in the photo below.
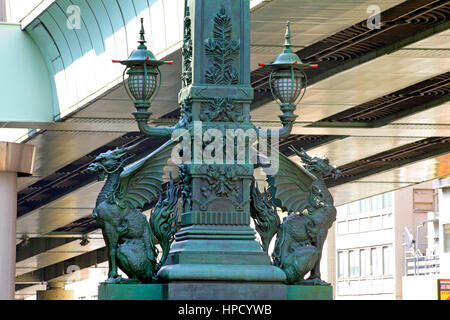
(302, 192)
(215, 241)
(265, 216)
(129, 237)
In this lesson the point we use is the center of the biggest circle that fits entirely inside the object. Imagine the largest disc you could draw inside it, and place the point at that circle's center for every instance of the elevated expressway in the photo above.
(377, 106)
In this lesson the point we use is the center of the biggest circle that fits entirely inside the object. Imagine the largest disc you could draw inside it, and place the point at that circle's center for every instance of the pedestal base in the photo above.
(298, 292)
(108, 291)
(225, 273)
(213, 290)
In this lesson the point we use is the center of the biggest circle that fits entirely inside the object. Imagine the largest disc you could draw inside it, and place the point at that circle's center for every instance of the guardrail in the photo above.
(416, 266)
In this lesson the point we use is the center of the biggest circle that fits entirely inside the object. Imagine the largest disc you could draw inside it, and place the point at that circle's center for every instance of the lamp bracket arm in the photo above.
(287, 119)
(282, 132)
(152, 131)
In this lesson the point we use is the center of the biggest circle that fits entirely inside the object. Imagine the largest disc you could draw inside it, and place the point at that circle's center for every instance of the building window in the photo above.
(354, 263)
(375, 223)
(446, 237)
(353, 226)
(387, 269)
(378, 201)
(353, 208)
(387, 221)
(366, 205)
(341, 212)
(376, 262)
(342, 264)
(387, 200)
(342, 227)
(365, 262)
(364, 224)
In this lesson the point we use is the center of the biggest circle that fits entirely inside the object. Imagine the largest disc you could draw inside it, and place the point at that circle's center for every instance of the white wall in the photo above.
(420, 288)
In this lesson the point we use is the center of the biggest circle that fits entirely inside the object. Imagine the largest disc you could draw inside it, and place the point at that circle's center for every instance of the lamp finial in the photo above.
(287, 37)
(142, 39)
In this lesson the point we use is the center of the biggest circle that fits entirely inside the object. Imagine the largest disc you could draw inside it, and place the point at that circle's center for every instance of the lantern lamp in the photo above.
(144, 77)
(287, 80)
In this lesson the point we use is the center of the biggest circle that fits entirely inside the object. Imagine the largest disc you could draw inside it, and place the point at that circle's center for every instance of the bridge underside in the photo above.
(377, 107)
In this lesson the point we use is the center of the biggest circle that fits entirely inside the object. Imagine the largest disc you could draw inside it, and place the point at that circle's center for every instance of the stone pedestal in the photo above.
(213, 290)
(297, 292)
(15, 158)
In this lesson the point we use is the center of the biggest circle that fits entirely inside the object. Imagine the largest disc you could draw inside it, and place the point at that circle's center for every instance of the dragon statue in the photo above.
(264, 214)
(300, 191)
(129, 237)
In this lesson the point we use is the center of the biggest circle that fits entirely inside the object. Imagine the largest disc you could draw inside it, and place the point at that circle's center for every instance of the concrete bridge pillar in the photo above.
(15, 159)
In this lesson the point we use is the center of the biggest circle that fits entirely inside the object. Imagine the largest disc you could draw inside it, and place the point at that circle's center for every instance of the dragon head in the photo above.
(317, 165)
(108, 162)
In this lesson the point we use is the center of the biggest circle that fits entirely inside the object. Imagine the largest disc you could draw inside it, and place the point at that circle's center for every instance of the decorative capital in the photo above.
(17, 157)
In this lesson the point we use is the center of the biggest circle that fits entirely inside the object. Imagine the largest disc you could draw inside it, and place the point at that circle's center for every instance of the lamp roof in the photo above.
(141, 55)
(288, 58)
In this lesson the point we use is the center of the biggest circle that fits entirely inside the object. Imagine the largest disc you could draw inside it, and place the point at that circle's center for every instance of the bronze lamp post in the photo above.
(211, 248)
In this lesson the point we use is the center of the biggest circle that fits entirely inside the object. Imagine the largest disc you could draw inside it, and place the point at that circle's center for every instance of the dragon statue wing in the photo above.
(291, 185)
(142, 181)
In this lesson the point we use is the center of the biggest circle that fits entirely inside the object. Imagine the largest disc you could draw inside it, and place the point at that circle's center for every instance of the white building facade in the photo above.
(365, 249)
(394, 245)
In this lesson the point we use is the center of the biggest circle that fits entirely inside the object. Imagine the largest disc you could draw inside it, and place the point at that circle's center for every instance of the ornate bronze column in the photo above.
(214, 254)
(215, 241)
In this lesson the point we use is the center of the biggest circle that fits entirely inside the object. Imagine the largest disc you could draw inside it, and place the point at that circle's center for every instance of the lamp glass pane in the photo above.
(136, 85)
(287, 89)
